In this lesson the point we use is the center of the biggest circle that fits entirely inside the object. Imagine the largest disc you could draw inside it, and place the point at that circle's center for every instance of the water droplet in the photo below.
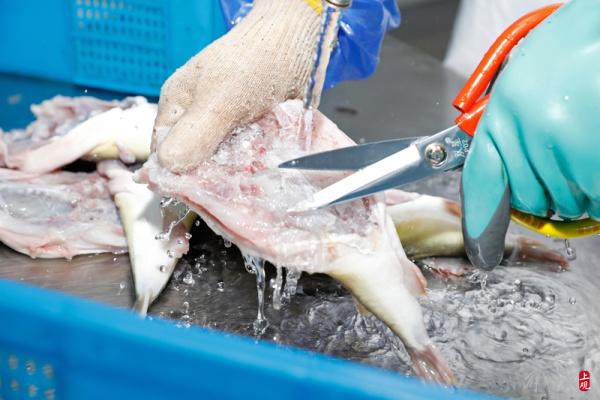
(170, 254)
(188, 279)
(571, 255)
(162, 268)
(188, 235)
(572, 300)
(226, 243)
(221, 286)
(186, 307)
(197, 223)
(277, 285)
(517, 282)
(180, 241)
(166, 201)
(122, 285)
(260, 326)
(525, 350)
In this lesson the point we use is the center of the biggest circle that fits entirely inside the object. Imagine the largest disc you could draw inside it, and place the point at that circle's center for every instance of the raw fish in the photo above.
(58, 215)
(67, 129)
(430, 226)
(152, 256)
(243, 196)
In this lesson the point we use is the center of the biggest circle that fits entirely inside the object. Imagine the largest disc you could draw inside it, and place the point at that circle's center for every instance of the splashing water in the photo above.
(277, 284)
(256, 266)
(178, 212)
(291, 284)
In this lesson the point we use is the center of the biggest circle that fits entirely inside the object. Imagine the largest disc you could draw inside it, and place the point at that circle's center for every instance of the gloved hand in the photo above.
(537, 145)
(264, 60)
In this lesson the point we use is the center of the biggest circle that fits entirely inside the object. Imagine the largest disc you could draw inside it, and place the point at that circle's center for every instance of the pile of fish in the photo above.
(241, 195)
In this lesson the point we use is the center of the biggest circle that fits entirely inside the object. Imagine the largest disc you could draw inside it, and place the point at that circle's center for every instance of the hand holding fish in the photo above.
(536, 145)
(263, 61)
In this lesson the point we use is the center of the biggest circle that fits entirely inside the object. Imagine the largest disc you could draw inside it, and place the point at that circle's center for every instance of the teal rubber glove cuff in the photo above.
(538, 142)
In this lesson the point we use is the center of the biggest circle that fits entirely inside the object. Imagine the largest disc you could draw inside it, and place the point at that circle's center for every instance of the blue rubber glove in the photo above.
(537, 147)
(362, 28)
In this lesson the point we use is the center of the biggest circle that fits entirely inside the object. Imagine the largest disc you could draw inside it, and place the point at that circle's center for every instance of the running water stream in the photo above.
(325, 42)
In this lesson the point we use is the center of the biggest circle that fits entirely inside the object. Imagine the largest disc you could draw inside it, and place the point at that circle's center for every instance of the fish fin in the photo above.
(525, 249)
(142, 304)
(416, 282)
(429, 364)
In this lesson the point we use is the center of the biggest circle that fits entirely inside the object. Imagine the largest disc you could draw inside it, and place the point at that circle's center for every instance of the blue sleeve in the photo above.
(362, 29)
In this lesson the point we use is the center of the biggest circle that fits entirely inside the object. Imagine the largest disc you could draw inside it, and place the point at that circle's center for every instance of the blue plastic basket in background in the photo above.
(125, 45)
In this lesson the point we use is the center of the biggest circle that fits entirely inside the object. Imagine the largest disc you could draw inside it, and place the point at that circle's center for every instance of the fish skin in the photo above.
(143, 219)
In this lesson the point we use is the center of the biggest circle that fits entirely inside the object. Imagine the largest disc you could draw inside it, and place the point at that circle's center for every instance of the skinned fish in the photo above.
(67, 129)
(152, 256)
(242, 195)
(58, 215)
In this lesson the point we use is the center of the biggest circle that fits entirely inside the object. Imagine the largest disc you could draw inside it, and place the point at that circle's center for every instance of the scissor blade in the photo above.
(350, 158)
(399, 161)
(400, 168)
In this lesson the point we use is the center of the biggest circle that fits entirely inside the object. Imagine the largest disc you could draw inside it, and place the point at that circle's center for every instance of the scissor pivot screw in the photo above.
(436, 154)
(340, 3)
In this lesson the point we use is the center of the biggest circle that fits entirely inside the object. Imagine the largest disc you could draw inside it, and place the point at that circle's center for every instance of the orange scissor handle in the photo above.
(468, 99)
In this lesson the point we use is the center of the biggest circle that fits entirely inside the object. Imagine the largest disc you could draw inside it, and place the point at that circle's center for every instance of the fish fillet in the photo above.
(242, 195)
(58, 215)
(67, 129)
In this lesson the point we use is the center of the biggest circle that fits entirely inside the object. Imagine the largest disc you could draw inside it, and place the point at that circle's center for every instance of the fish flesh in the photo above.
(67, 129)
(152, 254)
(242, 195)
(58, 215)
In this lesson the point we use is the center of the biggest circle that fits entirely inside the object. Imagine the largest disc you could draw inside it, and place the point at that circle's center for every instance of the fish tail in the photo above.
(522, 248)
(141, 305)
(429, 364)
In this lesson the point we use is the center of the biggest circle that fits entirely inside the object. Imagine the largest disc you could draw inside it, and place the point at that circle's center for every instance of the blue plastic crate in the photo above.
(54, 346)
(124, 45)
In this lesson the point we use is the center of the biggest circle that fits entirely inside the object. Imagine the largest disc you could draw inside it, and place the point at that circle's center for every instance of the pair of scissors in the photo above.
(384, 165)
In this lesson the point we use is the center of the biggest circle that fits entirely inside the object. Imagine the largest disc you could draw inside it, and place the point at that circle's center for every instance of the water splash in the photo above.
(256, 266)
(277, 284)
(291, 284)
(176, 212)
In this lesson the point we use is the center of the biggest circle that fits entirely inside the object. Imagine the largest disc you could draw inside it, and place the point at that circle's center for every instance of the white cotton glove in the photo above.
(266, 59)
